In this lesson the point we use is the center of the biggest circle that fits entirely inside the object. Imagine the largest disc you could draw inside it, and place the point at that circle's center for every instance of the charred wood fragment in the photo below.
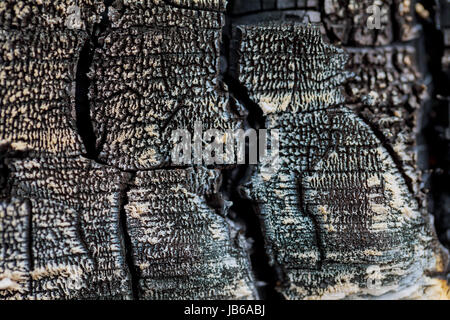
(92, 206)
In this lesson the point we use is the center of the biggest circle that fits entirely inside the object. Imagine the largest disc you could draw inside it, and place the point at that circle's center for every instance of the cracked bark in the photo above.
(91, 206)
(398, 100)
(127, 243)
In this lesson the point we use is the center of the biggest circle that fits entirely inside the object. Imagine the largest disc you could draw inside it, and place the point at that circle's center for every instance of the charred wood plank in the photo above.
(338, 217)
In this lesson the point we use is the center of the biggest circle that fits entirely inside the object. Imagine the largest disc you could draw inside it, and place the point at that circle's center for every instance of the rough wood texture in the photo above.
(36, 116)
(74, 237)
(91, 207)
(182, 247)
(387, 92)
(156, 71)
(338, 213)
(64, 218)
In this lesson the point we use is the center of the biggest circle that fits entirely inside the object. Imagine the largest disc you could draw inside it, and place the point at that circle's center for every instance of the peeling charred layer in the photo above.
(126, 240)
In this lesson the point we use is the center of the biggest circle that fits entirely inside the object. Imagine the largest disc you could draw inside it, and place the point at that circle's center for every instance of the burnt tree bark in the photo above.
(91, 206)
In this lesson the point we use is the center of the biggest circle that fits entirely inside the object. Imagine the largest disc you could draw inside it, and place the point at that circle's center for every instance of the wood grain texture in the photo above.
(69, 203)
(74, 241)
(65, 218)
(92, 208)
(157, 71)
(185, 249)
(338, 217)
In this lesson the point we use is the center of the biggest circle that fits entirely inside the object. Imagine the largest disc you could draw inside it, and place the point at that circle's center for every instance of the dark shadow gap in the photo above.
(134, 271)
(82, 102)
(244, 211)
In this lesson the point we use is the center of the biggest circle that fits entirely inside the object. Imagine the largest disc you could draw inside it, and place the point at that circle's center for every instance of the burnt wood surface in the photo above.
(91, 206)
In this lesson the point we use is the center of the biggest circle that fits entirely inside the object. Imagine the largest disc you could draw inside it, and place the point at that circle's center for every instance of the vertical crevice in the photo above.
(255, 118)
(30, 243)
(83, 115)
(244, 211)
(126, 239)
(395, 25)
(82, 84)
(4, 172)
